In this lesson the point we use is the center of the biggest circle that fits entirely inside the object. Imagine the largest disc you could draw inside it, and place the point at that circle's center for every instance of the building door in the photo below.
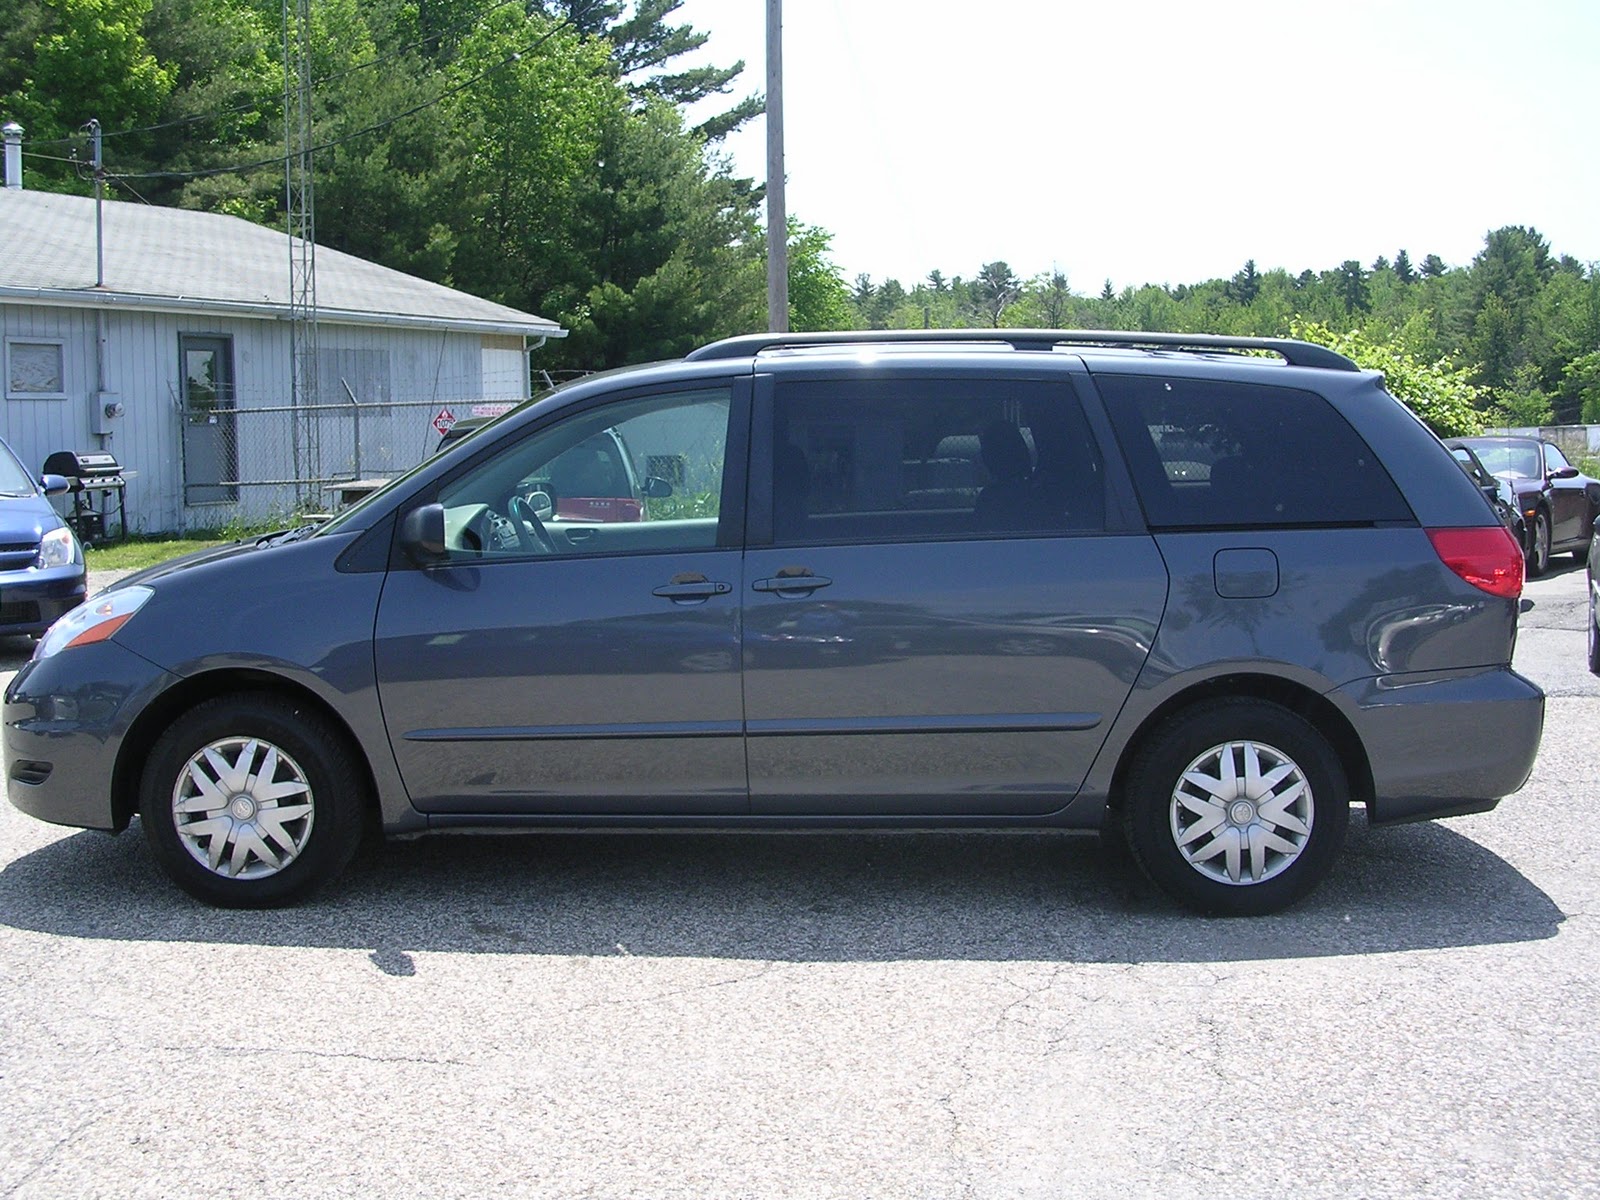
(210, 430)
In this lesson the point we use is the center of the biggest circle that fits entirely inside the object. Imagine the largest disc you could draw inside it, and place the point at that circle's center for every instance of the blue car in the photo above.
(41, 564)
(1157, 585)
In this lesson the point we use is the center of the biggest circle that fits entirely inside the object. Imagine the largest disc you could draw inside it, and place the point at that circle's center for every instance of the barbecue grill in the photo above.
(99, 488)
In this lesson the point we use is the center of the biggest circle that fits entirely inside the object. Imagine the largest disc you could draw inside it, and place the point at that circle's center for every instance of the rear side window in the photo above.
(862, 460)
(1209, 454)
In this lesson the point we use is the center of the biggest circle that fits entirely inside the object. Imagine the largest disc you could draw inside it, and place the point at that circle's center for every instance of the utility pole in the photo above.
(777, 215)
(99, 206)
(300, 218)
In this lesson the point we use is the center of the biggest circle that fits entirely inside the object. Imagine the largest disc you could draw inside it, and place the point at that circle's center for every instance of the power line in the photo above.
(123, 183)
(51, 157)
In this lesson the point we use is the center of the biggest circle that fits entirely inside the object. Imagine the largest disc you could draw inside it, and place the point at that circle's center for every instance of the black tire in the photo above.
(312, 768)
(1581, 555)
(1155, 821)
(1594, 633)
(1539, 545)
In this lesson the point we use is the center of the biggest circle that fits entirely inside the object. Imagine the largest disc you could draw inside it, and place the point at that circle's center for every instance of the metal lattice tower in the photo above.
(300, 213)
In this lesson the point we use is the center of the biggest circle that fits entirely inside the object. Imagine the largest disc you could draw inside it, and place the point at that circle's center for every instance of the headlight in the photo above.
(58, 548)
(94, 621)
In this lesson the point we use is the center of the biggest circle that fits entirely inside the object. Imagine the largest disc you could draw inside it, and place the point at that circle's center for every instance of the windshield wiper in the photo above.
(287, 536)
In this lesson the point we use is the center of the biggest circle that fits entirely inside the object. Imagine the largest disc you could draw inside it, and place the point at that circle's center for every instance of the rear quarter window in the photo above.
(1213, 454)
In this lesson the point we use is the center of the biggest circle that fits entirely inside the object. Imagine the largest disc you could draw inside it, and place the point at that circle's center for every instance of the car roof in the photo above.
(1086, 341)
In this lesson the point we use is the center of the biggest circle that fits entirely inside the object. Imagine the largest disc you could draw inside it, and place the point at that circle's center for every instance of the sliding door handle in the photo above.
(790, 585)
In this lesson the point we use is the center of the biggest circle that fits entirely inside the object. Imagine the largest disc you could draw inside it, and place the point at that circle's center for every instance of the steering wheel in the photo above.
(530, 530)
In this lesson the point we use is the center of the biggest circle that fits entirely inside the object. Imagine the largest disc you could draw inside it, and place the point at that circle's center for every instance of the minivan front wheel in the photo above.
(1237, 807)
(251, 801)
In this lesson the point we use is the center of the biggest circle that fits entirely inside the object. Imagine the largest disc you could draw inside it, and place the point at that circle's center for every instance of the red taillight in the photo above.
(1487, 557)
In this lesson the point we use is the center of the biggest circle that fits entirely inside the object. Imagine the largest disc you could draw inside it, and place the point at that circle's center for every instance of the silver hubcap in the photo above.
(242, 808)
(1242, 813)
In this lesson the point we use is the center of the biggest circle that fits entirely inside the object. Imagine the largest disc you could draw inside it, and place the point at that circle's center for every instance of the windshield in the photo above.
(14, 477)
(1520, 459)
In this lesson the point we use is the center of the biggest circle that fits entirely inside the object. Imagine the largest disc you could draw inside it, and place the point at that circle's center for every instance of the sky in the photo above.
(1152, 141)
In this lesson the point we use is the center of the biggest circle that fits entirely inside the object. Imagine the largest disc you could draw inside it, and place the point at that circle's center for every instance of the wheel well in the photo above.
(178, 699)
(1320, 712)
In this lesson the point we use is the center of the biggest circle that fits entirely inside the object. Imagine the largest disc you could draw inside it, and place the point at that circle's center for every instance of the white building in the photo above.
(180, 363)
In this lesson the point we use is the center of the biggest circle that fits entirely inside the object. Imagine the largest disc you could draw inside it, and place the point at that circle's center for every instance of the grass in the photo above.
(137, 553)
(142, 550)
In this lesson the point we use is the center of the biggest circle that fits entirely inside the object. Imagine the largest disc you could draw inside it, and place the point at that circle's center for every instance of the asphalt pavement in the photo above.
(823, 1015)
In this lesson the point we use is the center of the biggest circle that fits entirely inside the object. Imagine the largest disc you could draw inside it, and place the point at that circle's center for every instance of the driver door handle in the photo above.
(691, 586)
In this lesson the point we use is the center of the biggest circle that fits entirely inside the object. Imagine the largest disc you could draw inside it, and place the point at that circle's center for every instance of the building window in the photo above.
(35, 369)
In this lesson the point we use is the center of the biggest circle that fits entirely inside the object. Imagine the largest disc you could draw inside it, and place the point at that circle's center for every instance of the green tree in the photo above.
(644, 45)
(819, 298)
(1403, 270)
(996, 289)
(89, 59)
(1352, 286)
(1437, 392)
(1580, 385)
(1246, 284)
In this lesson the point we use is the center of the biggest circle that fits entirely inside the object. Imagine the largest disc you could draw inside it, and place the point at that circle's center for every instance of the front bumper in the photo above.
(66, 718)
(1441, 745)
(31, 600)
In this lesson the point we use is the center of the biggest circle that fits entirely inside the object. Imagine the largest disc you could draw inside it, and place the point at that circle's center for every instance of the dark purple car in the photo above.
(1558, 503)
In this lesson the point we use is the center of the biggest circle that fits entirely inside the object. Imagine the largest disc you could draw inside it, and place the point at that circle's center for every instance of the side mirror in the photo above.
(656, 488)
(54, 485)
(1564, 473)
(422, 535)
(1491, 492)
(543, 507)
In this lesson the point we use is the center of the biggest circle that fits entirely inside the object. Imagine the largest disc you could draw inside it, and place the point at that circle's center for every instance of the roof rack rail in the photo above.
(1295, 353)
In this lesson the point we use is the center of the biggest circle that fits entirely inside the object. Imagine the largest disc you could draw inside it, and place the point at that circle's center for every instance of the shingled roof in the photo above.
(174, 259)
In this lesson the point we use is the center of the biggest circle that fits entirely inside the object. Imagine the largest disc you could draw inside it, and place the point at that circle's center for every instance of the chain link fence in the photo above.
(255, 462)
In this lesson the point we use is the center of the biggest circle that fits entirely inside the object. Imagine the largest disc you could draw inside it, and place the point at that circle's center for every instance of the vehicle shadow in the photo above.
(793, 897)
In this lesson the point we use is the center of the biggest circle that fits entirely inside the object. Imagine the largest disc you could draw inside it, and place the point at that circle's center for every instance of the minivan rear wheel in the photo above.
(1237, 808)
(252, 801)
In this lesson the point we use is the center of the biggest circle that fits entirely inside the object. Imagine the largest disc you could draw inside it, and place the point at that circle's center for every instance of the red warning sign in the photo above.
(444, 420)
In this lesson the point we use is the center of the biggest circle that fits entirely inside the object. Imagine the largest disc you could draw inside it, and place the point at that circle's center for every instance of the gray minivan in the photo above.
(1208, 592)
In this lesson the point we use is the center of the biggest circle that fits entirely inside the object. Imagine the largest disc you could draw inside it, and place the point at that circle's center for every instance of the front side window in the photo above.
(893, 460)
(1554, 460)
(640, 475)
(1217, 454)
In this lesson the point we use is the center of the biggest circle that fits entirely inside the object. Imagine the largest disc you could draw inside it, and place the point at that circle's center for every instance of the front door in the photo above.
(1569, 498)
(945, 622)
(210, 431)
(578, 653)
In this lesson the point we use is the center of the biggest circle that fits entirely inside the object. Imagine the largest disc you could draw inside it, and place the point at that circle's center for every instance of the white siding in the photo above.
(426, 370)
